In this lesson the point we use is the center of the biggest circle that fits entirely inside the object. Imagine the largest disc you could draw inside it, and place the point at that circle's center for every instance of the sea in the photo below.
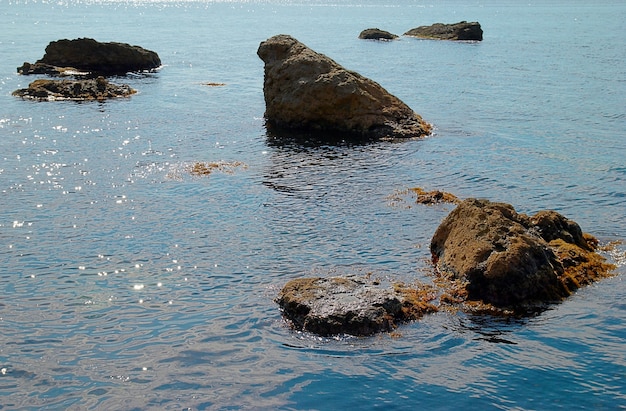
(129, 283)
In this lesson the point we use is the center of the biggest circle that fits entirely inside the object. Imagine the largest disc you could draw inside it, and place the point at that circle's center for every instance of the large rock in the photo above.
(377, 34)
(92, 89)
(512, 260)
(306, 90)
(457, 31)
(332, 306)
(89, 55)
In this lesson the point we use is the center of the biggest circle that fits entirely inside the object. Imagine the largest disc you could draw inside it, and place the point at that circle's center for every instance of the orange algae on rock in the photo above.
(206, 168)
(417, 300)
(421, 196)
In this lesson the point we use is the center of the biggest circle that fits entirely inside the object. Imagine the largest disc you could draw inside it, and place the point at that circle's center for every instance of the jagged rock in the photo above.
(377, 34)
(305, 90)
(512, 260)
(457, 31)
(92, 89)
(332, 306)
(89, 55)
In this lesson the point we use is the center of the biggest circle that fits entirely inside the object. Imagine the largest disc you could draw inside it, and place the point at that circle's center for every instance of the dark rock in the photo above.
(305, 90)
(332, 306)
(377, 34)
(457, 31)
(93, 89)
(508, 259)
(89, 55)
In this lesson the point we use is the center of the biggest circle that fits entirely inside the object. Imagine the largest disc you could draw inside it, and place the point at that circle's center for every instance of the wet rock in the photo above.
(92, 89)
(511, 260)
(377, 34)
(89, 55)
(332, 306)
(457, 31)
(434, 197)
(305, 90)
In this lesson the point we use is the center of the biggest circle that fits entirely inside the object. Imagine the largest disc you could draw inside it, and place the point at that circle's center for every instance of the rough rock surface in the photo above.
(377, 34)
(93, 89)
(89, 55)
(332, 306)
(457, 31)
(512, 260)
(306, 90)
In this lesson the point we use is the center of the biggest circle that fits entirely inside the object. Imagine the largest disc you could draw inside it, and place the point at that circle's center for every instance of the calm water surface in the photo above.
(129, 284)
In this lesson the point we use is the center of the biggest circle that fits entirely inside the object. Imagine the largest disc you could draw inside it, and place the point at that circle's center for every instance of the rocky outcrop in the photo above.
(377, 34)
(92, 89)
(338, 305)
(89, 55)
(512, 260)
(305, 90)
(457, 31)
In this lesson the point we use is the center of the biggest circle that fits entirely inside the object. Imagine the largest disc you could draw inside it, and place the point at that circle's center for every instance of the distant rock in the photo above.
(305, 90)
(92, 89)
(377, 34)
(338, 305)
(511, 260)
(457, 31)
(89, 55)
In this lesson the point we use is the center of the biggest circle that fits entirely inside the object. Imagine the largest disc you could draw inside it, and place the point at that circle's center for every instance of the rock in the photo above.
(511, 260)
(434, 197)
(305, 90)
(332, 306)
(457, 31)
(92, 89)
(377, 34)
(89, 55)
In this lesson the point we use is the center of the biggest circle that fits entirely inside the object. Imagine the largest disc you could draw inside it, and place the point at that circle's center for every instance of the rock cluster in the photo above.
(91, 89)
(88, 61)
(512, 260)
(306, 90)
(89, 55)
(457, 31)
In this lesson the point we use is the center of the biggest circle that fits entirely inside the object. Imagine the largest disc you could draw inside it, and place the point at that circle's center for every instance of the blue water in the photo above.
(129, 284)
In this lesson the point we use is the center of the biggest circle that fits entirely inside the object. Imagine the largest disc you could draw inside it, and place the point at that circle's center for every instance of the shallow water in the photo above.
(130, 284)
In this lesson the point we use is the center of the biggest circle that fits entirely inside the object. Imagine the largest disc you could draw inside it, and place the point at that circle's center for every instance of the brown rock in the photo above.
(457, 31)
(512, 260)
(306, 90)
(89, 55)
(377, 34)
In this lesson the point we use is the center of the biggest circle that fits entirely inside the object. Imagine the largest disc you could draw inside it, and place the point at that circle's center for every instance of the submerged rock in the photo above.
(332, 306)
(92, 89)
(511, 260)
(457, 31)
(89, 55)
(377, 34)
(305, 90)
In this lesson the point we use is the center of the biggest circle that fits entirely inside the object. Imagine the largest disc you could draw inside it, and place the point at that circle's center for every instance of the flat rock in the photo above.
(306, 90)
(338, 305)
(512, 260)
(89, 55)
(377, 34)
(457, 31)
(92, 89)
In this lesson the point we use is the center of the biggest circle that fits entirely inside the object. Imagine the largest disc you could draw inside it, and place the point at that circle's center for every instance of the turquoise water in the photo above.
(129, 284)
